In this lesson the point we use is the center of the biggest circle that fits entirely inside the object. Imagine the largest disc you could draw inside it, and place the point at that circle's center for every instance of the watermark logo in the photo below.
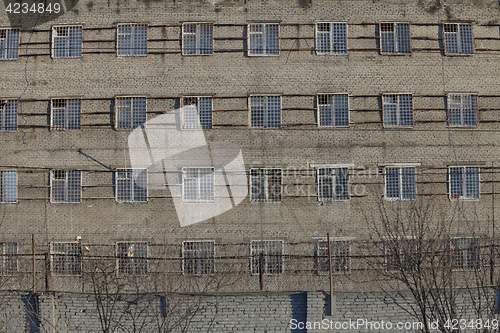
(204, 180)
(26, 14)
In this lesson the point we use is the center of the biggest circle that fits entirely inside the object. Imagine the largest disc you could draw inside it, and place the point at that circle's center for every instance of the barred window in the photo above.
(66, 114)
(462, 110)
(265, 184)
(395, 38)
(465, 253)
(333, 110)
(265, 111)
(333, 183)
(66, 258)
(401, 254)
(132, 258)
(272, 256)
(197, 38)
(196, 112)
(66, 186)
(198, 257)
(331, 38)
(132, 39)
(458, 38)
(66, 41)
(340, 251)
(198, 184)
(264, 39)
(10, 258)
(8, 115)
(132, 185)
(9, 186)
(463, 182)
(130, 112)
(400, 183)
(9, 44)
(398, 109)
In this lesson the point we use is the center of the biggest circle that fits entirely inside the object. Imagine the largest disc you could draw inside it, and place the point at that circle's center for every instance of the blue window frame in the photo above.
(9, 44)
(66, 41)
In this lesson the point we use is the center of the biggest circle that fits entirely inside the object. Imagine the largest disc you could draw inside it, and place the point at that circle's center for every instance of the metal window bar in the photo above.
(197, 39)
(66, 114)
(272, 252)
(331, 38)
(198, 184)
(8, 115)
(9, 186)
(341, 261)
(458, 38)
(266, 185)
(465, 253)
(400, 183)
(333, 110)
(265, 111)
(464, 183)
(132, 185)
(132, 258)
(66, 42)
(130, 112)
(462, 110)
(263, 39)
(196, 112)
(66, 186)
(10, 263)
(395, 38)
(333, 184)
(398, 110)
(132, 39)
(66, 258)
(400, 254)
(9, 44)
(198, 257)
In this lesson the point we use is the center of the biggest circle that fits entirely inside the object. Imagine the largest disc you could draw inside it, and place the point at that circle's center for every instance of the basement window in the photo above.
(9, 44)
(132, 258)
(395, 38)
(132, 39)
(264, 39)
(8, 115)
(272, 256)
(198, 257)
(66, 41)
(197, 39)
(331, 38)
(462, 110)
(398, 110)
(196, 113)
(65, 114)
(458, 39)
(66, 258)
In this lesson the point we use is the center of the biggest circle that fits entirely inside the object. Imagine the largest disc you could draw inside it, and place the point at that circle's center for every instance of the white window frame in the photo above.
(462, 109)
(201, 261)
(133, 108)
(133, 37)
(398, 111)
(198, 185)
(3, 186)
(184, 106)
(67, 114)
(66, 184)
(130, 264)
(400, 180)
(198, 36)
(341, 263)
(10, 257)
(401, 254)
(333, 107)
(65, 271)
(134, 173)
(266, 116)
(464, 253)
(6, 111)
(4, 51)
(395, 38)
(265, 52)
(460, 43)
(268, 260)
(464, 183)
(331, 38)
(69, 41)
(266, 184)
(336, 167)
